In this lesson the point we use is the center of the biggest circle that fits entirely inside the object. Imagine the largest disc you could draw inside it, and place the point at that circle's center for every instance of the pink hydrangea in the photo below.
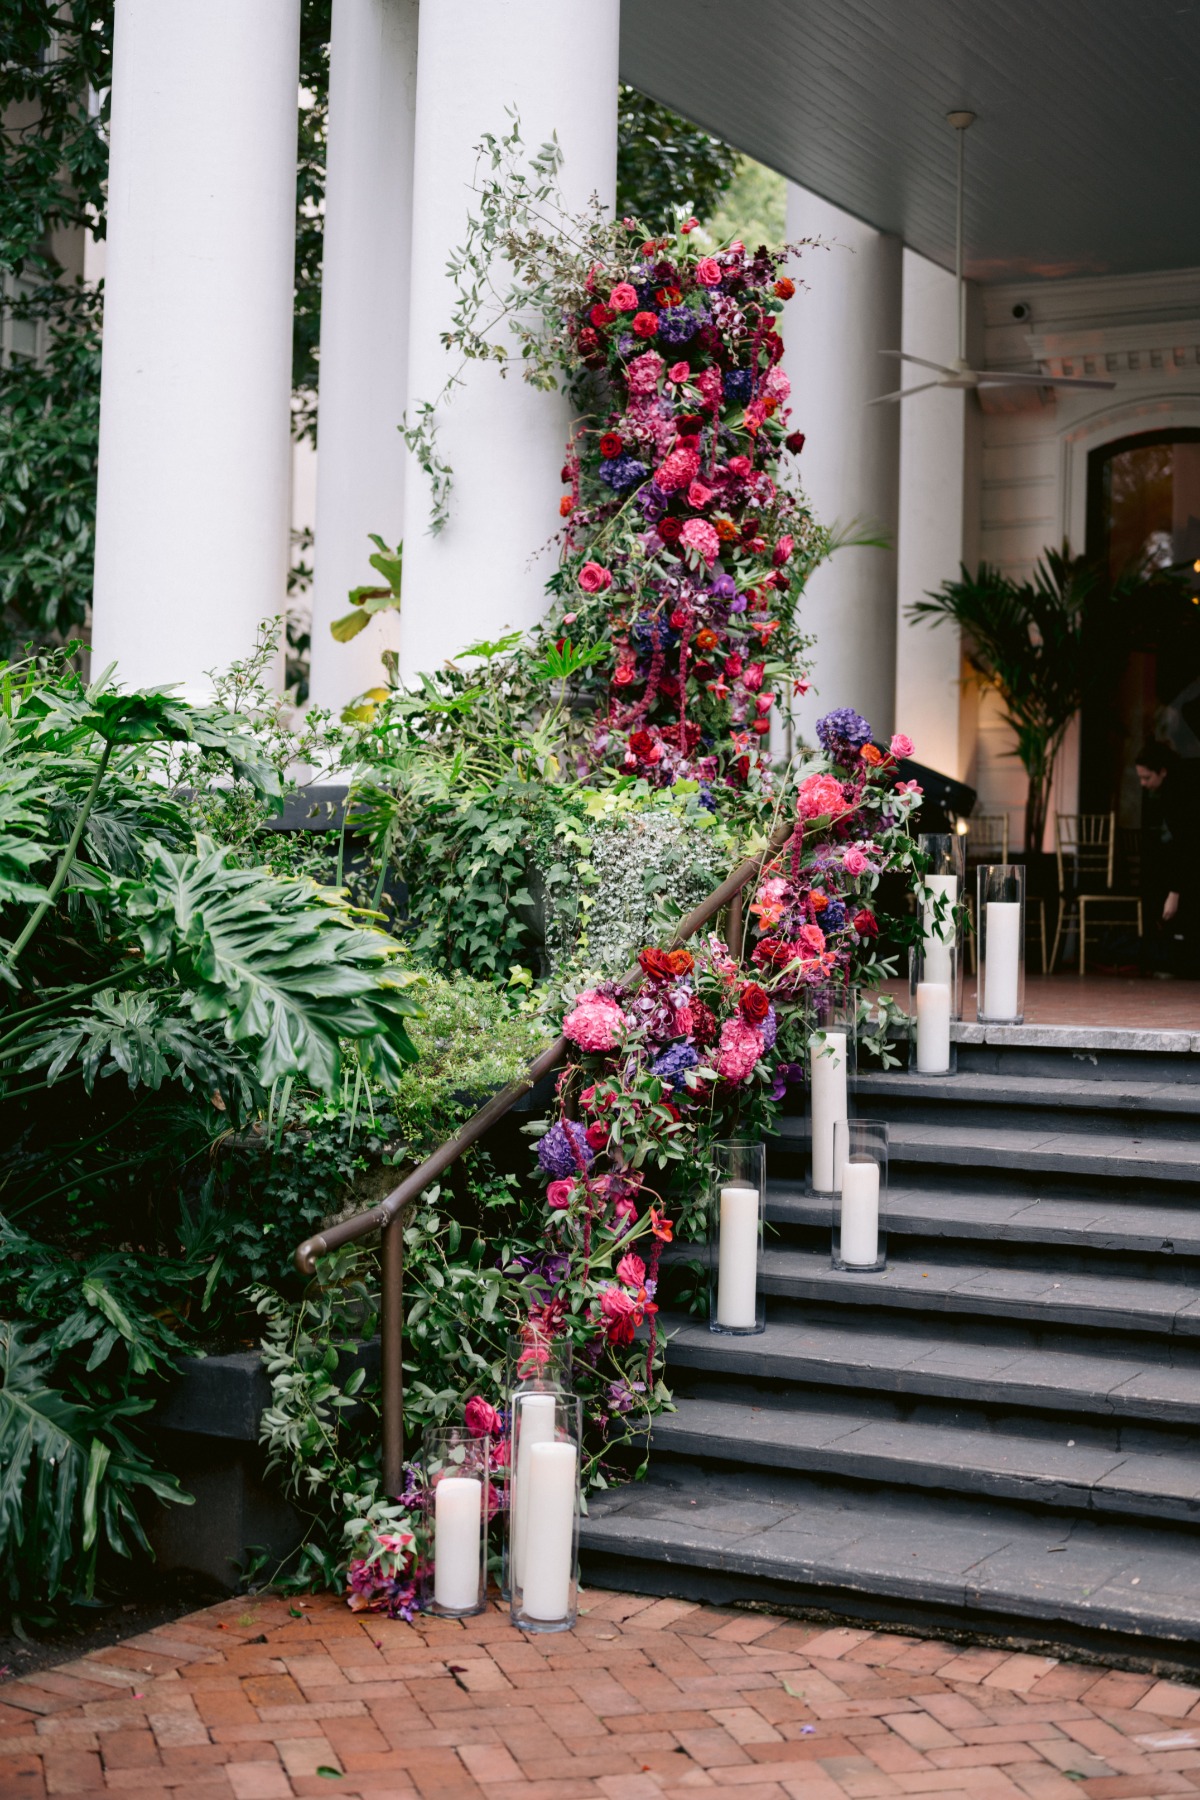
(854, 862)
(708, 272)
(644, 372)
(699, 535)
(595, 1022)
(632, 1271)
(777, 384)
(623, 297)
(901, 745)
(709, 384)
(678, 470)
(739, 1049)
(818, 795)
(811, 938)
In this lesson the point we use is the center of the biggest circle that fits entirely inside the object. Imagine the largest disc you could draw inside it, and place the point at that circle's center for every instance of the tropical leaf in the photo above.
(143, 1037)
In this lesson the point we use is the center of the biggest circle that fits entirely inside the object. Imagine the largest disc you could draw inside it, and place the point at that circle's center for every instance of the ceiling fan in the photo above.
(959, 374)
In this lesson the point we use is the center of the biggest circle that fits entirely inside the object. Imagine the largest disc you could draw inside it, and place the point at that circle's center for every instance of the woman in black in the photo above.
(1170, 855)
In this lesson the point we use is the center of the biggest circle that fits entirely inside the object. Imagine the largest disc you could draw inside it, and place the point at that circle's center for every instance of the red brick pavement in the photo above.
(261, 1699)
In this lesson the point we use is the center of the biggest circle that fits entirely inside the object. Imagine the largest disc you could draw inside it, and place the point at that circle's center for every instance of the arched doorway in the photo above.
(1144, 659)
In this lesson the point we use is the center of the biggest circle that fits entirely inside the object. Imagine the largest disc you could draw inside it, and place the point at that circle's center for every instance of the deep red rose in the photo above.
(642, 744)
(589, 342)
(597, 1135)
(690, 422)
(754, 1003)
(761, 726)
(655, 963)
(866, 924)
(795, 442)
(669, 1106)
(564, 474)
(669, 530)
(601, 315)
(645, 324)
(773, 950)
(611, 444)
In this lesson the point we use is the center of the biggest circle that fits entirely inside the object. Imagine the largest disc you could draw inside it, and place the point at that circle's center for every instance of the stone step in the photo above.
(1086, 1466)
(1098, 1222)
(1044, 1295)
(979, 1363)
(1048, 1152)
(1108, 1109)
(861, 1549)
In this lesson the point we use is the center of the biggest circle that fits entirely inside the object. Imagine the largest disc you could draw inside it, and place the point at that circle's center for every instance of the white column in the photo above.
(195, 459)
(850, 469)
(934, 543)
(364, 327)
(557, 66)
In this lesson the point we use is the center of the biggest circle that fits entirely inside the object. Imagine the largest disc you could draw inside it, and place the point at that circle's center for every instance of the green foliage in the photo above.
(666, 165)
(370, 600)
(470, 1041)
(753, 207)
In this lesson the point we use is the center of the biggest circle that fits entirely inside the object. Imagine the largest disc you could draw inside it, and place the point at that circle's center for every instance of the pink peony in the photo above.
(594, 578)
(854, 862)
(632, 1271)
(739, 1050)
(699, 535)
(559, 1194)
(777, 384)
(644, 372)
(698, 495)
(739, 465)
(811, 938)
(678, 470)
(479, 1418)
(678, 372)
(595, 1022)
(708, 272)
(818, 795)
(901, 745)
(623, 297)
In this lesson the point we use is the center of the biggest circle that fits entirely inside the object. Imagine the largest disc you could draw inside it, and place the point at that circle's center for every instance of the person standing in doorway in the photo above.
(1170, 859)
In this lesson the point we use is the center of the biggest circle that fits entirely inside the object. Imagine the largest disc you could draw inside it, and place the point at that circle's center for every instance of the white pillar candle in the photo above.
(737, 1261)
(939, 937)
(548, 1498)
(933, 1027)
(536, 1427)
(1002, 959)
(457, 1534)
(827, 1086)
(860, 1212)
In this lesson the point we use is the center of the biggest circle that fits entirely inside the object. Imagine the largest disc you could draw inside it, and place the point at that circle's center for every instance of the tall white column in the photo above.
(835, 329)
(557, 67)
(195, 457)
(936, 519)
(364, 327)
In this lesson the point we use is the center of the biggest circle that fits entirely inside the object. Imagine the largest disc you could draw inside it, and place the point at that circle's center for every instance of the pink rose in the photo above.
(698, 495)
(854, 862)
(739, 465)
(618, 1312)
(708, 272)
(594, 578)
(678, 372)
(901, 745)
(642, 375)
(740, 1047)
(699, 535)
(783, 551)
(818, 795)
(632, 1271)
(625, 1209)
(595, 1022)
(677, 470)
(479, 1418)
(812, 939)
(623, 297)
(558, 1195)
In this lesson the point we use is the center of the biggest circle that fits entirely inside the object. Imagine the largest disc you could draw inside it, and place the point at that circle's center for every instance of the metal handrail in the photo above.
(389, 1210)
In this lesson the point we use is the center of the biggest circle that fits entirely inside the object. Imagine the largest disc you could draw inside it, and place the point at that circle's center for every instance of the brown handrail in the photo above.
(387, 1212)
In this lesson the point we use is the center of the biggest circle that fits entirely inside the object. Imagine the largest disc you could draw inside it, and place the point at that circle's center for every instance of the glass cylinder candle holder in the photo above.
(831, 1021)
(940, 894)
(1000, 920)
(860, 1207)
(736, 1216)
(456, 1485)
(535, 1362)
(543, 1514)
(932, 989)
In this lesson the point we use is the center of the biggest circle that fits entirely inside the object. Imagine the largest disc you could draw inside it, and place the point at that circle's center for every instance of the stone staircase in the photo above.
(1000, 1432)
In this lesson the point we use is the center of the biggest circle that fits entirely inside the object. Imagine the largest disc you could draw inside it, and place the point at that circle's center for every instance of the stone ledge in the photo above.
(1078, 1037)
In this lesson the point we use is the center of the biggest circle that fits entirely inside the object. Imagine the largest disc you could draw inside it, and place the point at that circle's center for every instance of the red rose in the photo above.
(734, 665)
(865, 924)
(761, 726)
(755, 1003)
(642, 744)
(654, 962)
(795, 442)
(597, 1135)
(689, 423)
(669, 530)
(703, 1022)
(645, 324)
(601, 315)
(623, 677)
(611, 444)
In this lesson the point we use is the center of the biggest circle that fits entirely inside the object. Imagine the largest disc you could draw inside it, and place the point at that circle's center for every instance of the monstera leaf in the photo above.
(282, 964)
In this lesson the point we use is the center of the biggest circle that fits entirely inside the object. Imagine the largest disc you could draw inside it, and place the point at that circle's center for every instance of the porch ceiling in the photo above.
(1083, 159)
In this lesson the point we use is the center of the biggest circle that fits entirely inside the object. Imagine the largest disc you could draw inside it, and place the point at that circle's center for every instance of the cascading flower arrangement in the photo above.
(683, 550)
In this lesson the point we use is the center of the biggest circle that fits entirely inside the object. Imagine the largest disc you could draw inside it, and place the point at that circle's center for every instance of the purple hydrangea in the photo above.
(564, 1149)
(652, 631)
(843, 726)
(739, 385)
(621, 472)
(676, 324)
(671, 1065)
(769, 1028)
(834, 916)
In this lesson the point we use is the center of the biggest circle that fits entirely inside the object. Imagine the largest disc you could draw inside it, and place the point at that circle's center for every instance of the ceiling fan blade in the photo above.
(905, 356)
(903, 393)
(1021, 378)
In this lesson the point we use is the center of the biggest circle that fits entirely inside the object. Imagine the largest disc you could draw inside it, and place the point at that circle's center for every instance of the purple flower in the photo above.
(670, 1066)
(564, 1150)
(652, 501)
(843, 726)
(739, 385)
(769, 1028)
(621, 472)
(676, 324)
(786, 1074)
(834, 916)
(651, 631)
(722, 586)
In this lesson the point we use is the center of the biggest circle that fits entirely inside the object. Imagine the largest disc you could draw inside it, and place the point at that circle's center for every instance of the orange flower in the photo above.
(660, 1226)
(871, 755)
(820, 901)
(707, 639)
(566, 507)
(784, 288)
(726, 530)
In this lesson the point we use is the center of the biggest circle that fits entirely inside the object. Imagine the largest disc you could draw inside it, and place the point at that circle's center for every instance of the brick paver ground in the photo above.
(260, 1700)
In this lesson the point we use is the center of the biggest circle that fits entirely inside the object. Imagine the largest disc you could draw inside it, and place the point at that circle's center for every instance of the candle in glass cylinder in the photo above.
(536, 1427)
(933, 1027)
(1002, 951)
(860, 1212)
(737, 1264)
(827, 1085)
(548, 1498)
(457, 1533)
(938, 939)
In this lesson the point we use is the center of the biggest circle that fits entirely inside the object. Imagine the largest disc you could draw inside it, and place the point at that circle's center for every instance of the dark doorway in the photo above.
(1143, 659)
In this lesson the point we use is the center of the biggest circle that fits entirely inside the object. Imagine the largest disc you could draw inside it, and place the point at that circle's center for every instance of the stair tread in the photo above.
(1020, 1147)
(982, 1556)
(1051, 1467)
(1094, 1221)
(1041, 1091)
(934, 1358)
